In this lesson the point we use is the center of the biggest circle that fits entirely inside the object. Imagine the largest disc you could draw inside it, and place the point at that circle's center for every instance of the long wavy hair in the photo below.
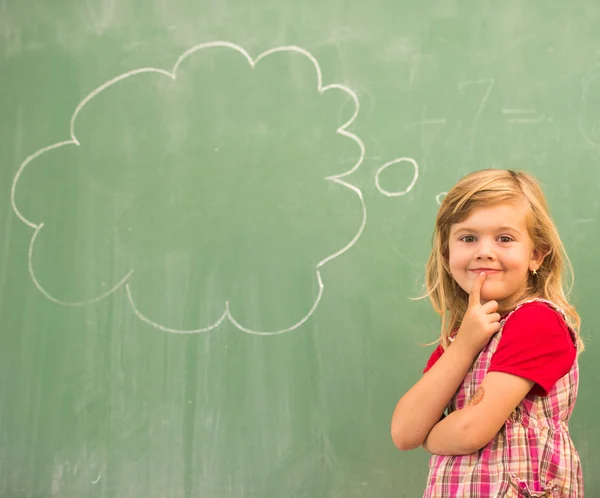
(485, 188)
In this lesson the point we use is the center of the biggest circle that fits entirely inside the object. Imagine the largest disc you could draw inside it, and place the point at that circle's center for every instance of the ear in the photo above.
(537, 258)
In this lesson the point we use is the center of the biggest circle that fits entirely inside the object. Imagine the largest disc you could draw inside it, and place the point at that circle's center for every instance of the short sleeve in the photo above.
(435, 356)
(536, 344)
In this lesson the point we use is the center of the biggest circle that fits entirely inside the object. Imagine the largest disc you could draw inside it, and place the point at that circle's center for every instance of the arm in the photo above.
(535, 351)
(423, 405)
(470, 429)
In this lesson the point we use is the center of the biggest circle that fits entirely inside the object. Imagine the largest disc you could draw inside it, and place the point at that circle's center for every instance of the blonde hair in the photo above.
(554, 278)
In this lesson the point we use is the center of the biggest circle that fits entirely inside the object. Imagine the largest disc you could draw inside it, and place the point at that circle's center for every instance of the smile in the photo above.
(488, 271)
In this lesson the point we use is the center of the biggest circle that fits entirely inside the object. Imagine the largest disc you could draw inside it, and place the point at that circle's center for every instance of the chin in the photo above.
(485, 299)
(492, 297)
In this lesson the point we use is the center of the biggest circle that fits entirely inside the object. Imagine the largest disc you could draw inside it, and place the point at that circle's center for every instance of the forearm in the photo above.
(451, 436)
(471, 428)
(421, 408)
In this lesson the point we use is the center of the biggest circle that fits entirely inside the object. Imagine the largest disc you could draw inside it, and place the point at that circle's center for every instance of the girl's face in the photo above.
(494, 240)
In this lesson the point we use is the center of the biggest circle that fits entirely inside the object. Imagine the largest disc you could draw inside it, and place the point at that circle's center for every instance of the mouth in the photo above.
(487, 271)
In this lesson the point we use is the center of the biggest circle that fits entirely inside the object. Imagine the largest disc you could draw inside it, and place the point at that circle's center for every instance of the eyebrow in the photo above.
(500, 229)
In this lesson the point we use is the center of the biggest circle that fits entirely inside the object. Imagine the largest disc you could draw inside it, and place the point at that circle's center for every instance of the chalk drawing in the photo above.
(415, 177)
(125, 279)
(440, 197)
(586, 121)
(523, 116)
(488, 84)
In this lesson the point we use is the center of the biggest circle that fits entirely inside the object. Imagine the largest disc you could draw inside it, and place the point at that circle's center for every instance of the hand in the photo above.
(480, 322)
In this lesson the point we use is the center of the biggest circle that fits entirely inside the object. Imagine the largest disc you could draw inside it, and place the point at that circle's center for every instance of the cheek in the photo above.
(454, 266)
(458, 260)
(518, 262)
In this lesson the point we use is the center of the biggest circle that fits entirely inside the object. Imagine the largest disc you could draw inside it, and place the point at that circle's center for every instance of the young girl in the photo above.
(506, 367)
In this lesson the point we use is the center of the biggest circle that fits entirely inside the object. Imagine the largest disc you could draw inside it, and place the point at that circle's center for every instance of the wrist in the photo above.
(463, 348)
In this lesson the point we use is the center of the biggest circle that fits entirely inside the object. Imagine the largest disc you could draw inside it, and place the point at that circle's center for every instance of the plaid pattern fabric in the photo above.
(532, 456)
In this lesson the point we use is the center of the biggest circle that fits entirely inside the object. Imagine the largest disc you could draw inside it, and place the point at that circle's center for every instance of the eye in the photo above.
(467, 238)
(505, 238)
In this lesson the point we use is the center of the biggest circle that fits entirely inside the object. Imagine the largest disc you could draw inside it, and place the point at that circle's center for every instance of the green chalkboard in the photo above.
(214, 215)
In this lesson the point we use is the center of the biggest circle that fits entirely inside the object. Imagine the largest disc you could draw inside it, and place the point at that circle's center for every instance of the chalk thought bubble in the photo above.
(79, 138)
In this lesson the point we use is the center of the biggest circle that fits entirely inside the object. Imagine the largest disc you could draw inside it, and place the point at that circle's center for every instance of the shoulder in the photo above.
(536, 343)
(536, 317)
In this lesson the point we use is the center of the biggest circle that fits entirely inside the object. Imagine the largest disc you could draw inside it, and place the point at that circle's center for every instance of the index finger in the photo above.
(475, 294)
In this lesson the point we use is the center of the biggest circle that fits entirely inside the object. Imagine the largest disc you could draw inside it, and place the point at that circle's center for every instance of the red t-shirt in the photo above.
(536, 344)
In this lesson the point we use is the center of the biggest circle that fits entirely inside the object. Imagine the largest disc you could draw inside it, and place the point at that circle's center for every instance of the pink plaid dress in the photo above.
(532, 456)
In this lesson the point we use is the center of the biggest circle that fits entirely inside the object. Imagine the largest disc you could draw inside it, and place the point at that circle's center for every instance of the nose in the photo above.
(485, 250)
